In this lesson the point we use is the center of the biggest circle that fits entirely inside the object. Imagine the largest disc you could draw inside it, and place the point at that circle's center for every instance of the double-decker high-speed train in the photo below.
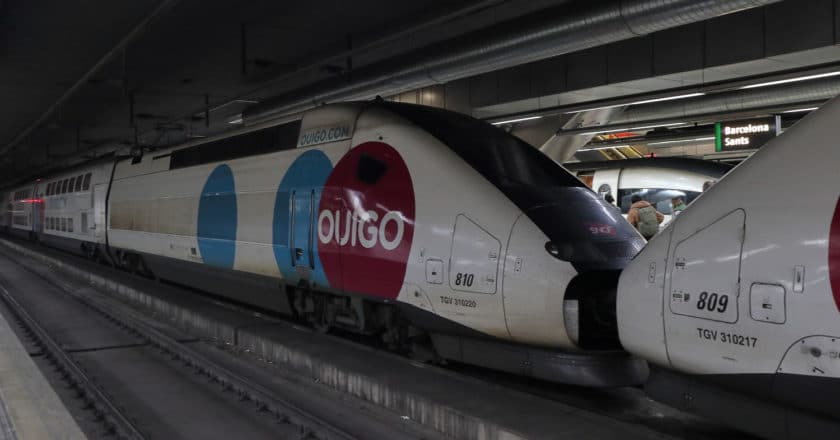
(736, 303)
(380, 218)
(656, 180)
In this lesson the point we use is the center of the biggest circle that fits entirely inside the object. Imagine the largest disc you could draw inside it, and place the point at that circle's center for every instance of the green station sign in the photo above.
(745, 134)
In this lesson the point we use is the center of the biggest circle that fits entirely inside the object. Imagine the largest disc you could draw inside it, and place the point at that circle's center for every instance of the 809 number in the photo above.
(712, 302)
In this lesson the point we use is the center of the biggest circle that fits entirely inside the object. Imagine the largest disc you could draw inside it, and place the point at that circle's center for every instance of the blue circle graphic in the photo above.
(217, 219)
(295, 226)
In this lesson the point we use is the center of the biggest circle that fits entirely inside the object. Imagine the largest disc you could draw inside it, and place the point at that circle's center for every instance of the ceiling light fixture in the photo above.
(790, 80)
(235, 121)
(528, 118)
(711, 138)
(602, 148)
(800, 110)
(645, 101)
(617, 130)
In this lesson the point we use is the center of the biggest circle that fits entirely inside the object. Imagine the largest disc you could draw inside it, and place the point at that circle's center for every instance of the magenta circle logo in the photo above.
(834, 255)
(365, 222)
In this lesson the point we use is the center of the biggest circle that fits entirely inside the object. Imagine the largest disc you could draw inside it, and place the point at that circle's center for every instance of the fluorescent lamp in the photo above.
(529, 118)
(617, 130)
(667, 98)
(790, 80)
(711, 138)
(235, 121)
(645, 101)
(603, 148)
(800, 110)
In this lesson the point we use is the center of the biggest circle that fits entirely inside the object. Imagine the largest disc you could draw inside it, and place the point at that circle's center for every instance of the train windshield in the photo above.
(501, 158)
(582, 227)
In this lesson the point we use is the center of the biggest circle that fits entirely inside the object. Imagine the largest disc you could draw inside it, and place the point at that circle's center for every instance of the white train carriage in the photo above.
(371, 216)
(24, 211)
(740, 295)
(74, 208)
(656, 180)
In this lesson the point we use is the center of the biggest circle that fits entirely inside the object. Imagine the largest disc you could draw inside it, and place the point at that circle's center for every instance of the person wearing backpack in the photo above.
(644, 217)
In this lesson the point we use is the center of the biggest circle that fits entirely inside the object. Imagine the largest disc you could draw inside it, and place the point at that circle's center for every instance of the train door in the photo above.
(302, 219)
(98, 224)
(38, 207)
(702, 294)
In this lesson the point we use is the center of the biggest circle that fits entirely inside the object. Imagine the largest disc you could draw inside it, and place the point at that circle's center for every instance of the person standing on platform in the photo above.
(677, 205)
(644, 217)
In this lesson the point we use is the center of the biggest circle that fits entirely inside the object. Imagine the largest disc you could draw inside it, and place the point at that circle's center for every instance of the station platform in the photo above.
(29, 407)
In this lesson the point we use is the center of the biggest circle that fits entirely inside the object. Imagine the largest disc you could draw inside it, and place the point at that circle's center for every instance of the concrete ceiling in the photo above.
(83, 76)
(81, 79)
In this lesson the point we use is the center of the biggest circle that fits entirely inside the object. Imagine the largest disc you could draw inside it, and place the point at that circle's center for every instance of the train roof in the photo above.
(715, 169)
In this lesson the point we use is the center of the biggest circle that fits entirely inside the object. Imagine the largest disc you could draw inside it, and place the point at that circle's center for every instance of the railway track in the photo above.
(78, 358)
(626, 405)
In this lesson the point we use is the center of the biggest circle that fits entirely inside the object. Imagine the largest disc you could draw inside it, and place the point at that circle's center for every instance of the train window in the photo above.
(79, 183)
(64, 186)
(659, 197)
(69, 225)
(86, 185)
(267, 140)
(63, 224)
(70, 185)
(49, 189)
(503, 159)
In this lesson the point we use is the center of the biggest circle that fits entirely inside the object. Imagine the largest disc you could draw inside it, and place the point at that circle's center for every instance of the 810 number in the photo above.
(464, 279)
(712, 302)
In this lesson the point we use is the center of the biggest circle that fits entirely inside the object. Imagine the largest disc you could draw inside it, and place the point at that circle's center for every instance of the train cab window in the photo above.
(64, 186)
(503, 159)
(70, 185)
(86, 185)
(660, 198)
(79, 183)
(49, 189)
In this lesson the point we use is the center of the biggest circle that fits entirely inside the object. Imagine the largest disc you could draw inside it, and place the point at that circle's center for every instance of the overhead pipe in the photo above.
(518, 43)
